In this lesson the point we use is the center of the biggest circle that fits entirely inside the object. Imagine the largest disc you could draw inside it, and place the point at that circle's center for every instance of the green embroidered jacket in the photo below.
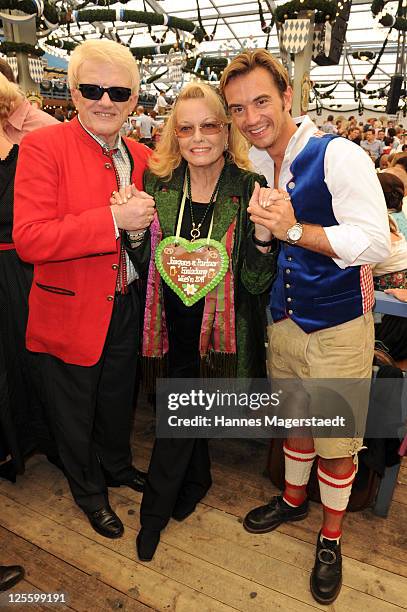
(253, 271)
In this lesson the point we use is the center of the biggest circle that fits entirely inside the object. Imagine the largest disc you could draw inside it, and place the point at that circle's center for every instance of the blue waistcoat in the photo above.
(310, 288)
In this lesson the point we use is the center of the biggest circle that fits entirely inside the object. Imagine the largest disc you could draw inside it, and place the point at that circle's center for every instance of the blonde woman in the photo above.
(200, 182)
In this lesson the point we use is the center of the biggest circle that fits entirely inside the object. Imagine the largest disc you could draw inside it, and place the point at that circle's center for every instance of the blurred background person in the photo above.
(161, 103)
(24, 117)
(371, 145)
(328, 126)
(398, 167)
(354, 134)
(145, 127)
(23, 426)
(59, 115)
(391, 274)
(383, 162)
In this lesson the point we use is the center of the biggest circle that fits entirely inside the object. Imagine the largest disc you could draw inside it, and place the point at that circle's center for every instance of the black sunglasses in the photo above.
(95, 92)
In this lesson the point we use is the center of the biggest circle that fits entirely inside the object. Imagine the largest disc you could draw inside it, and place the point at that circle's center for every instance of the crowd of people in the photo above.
(381, 141)
(302, 218)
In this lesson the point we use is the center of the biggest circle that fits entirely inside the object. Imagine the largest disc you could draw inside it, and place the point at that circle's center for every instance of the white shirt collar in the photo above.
(103, 144)
(262, 161)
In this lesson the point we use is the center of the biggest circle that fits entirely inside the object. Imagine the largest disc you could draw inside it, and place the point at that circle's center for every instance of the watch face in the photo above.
(294, 233)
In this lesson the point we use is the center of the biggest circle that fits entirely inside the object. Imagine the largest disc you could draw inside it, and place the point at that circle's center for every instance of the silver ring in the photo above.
(287, 198)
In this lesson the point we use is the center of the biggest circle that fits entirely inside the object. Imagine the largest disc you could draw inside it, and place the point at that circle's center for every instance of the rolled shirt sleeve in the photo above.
(363, 235)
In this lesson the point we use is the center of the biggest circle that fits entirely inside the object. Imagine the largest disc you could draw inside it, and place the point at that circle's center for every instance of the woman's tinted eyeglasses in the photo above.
(209, 128)
(95, 92)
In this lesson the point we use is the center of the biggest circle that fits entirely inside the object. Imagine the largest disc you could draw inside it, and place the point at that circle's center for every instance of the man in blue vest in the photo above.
(324, 203)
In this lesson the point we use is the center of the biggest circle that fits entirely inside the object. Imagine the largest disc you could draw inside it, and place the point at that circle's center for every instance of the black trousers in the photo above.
(91, 408)
(179, 474)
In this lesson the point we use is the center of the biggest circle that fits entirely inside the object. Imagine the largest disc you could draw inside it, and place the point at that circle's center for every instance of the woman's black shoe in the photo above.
(10, 575)
(180, 513)
(146, 543)
(326, 577)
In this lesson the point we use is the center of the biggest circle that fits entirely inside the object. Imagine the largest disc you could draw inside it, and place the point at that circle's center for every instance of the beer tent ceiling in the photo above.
(239, 26)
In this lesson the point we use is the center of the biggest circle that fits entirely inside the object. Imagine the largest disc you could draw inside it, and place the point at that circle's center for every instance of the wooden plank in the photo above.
(386, 551)
(269, 559)
(222, 540)
(216, 529)
(171, 562)
(84, 592)
(102, 557)
(400, 492)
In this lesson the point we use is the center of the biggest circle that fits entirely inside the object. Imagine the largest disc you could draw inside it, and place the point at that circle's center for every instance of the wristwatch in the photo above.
(294, 233)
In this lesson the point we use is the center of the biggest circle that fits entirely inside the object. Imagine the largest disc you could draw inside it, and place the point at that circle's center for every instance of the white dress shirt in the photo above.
(363, 235)
(122, 164)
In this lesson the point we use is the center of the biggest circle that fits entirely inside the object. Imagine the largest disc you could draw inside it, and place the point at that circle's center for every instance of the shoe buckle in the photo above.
(327, 556)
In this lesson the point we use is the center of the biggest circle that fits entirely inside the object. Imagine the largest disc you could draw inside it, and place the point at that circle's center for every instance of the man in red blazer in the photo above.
(85, 304)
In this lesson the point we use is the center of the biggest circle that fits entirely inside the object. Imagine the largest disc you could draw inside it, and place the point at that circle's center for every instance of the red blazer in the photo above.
(64, 226)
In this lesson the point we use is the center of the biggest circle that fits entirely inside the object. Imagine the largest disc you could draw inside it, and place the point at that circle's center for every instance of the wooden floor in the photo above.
(207, 563)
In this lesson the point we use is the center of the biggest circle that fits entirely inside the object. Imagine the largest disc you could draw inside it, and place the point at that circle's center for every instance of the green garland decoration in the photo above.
(325, 10)
(66, 45)
(138, 52)
(92, 15)
(154, 77)
(324, 85)
(213, 63)
(55, 16)
(207, 65)
(51, 14)
(372, 94)
(369, 92)
(8, 47)
(387, 20)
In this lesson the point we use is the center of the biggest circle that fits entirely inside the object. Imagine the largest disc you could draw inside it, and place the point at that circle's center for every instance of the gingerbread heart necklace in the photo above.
(192, 268)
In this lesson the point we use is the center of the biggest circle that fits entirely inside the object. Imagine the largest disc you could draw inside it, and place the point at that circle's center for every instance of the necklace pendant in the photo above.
(195, 232)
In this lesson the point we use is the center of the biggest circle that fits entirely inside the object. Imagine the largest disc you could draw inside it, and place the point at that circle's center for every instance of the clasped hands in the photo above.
(133, 210)
(272, 213)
